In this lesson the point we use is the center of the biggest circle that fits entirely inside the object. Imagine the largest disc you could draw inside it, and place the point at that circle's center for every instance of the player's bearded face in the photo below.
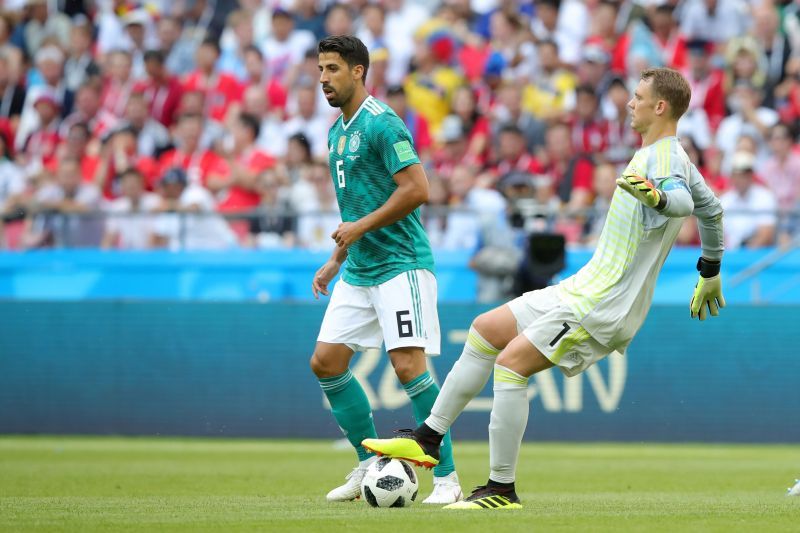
(336, 79)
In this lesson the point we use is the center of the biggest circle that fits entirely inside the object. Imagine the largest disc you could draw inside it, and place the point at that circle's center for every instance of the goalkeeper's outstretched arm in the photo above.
(708, 210)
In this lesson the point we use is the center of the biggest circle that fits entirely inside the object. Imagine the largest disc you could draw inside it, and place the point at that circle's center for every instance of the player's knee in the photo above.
(407, 368)
(483, 324)
(495, 328)
(486, 327)
(323, 367)
(405, 372)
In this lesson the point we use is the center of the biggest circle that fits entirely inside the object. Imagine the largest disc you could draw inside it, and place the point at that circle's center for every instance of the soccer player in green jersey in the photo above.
(387, 293)
(598, 310)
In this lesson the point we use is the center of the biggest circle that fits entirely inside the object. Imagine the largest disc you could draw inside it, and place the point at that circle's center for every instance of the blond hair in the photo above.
(670, 85)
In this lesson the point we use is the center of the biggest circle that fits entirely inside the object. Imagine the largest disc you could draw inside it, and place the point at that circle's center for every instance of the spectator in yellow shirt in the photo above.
(431, 87)
(552, 93)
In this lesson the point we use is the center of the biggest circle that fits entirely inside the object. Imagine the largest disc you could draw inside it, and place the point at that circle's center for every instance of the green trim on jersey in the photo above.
(364, 155)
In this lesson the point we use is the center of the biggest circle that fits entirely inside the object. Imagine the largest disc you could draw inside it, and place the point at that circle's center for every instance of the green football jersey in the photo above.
(364, 155)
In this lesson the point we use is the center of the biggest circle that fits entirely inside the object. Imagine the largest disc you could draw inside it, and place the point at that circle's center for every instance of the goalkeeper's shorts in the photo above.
(552, 328)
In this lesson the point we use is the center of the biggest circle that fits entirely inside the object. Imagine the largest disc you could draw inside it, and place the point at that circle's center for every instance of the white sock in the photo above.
(508, 420)
(465, 381)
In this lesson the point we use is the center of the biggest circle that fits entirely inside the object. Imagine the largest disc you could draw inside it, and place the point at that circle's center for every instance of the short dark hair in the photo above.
(155, 55)
(250, 122)
(555, 4)
(617, 81)
(586, 88)
(512, 129)
(549, 42)
(190, 116)
(132, 172)
(83, 127)
(125, 129)
(303, 141)
(212, 42)
(787, 130)
(349, 48)
(669, 85)
(254, 50)
(665, 9)
(70, 159)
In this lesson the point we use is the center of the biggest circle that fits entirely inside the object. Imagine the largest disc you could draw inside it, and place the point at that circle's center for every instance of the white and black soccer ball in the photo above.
(390, 483)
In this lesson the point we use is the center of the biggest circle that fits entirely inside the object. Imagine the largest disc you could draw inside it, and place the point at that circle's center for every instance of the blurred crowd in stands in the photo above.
(200, 124)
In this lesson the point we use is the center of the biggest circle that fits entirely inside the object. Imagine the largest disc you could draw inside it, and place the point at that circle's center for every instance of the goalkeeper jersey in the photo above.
(364, 155)
(611, 294)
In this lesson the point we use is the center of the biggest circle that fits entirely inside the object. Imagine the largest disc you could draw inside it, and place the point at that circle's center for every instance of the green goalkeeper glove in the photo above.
(708, 291)
(641, 189)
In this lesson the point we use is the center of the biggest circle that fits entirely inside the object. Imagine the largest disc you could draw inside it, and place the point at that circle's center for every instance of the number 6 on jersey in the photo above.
(340, 173)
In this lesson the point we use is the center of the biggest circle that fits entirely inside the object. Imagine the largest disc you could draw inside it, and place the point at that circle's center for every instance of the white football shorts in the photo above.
(400, 312)
(552, 328)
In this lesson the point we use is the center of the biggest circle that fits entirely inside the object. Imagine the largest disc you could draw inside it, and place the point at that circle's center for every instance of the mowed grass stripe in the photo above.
(143, 484)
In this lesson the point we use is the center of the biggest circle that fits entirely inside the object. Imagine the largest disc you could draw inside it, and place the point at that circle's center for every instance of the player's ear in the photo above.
(358, 72)
(661, 107)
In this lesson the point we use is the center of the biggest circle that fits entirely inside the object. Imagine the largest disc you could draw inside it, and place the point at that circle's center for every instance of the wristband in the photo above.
(708, 269)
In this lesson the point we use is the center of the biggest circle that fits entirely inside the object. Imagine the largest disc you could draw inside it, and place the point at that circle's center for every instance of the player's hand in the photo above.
(347, 233)
(708, 291)
(324, 276)
(641, 189)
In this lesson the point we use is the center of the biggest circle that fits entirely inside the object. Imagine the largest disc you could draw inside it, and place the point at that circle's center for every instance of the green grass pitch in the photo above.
(137, 484)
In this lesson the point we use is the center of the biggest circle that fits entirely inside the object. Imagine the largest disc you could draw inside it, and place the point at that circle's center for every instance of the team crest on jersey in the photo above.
(342, 141)
(355, 141)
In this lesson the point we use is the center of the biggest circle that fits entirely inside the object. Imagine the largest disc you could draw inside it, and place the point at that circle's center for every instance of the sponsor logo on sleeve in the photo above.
(404, 151)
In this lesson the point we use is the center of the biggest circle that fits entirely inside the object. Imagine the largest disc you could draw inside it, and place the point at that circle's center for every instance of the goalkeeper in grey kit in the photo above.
(596, 311)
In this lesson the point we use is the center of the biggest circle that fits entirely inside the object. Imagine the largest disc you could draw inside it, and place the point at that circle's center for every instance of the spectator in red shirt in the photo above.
(667, 36)
(453, 149)
(488, 87)
(221, 90)
(623, 141)
(275, 92)
(162, 90)
(88, 110)
(194, 103)
(75, 146)
(120, 153)
(589, 129)
(512, 154)
(119, 84)
(707, 83)
(50, 64)
(152, 138)
(707, 163)
(238, 190)
(571, 173)
(475, 125)
(200, 164)
(603, 32)
(40, 147)
(416, 123)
